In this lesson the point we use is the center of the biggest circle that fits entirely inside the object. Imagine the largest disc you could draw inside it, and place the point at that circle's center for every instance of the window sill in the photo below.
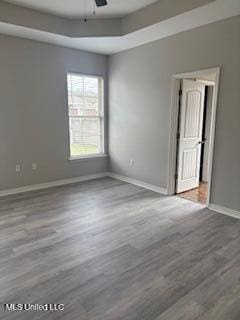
(88, 157)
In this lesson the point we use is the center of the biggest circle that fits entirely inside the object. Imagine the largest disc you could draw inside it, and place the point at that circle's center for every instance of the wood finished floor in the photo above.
(109, 250)
(198, 194)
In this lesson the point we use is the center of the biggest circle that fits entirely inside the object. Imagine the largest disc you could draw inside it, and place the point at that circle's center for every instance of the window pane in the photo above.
(85, 136)
(83, 96)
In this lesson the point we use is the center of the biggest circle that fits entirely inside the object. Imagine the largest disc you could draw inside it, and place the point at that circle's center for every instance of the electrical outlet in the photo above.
(34, 166)
(18, 168)
(131, 162)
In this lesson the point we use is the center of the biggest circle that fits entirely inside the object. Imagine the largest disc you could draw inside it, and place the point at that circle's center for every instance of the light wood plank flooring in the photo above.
(109, 250)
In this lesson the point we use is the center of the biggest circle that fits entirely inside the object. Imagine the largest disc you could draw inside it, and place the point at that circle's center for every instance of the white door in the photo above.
(190, 135)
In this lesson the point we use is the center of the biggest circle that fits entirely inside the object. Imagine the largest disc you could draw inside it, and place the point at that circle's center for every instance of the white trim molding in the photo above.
(51, 184)
(172, 154)
(57, 183)
(224, 210)
(138, 183)
(88, 157)
(163, 191)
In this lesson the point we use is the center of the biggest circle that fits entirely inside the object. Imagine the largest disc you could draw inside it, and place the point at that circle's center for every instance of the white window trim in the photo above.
(94, 155)
(87, 157)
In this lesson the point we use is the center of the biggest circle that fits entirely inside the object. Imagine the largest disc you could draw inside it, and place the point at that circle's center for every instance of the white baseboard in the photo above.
(224, 210)
(138, 183)
(56, 183)
(51, 184)
(214, 207)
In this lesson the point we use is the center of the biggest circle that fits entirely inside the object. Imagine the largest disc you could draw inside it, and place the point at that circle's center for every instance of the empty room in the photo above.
(119, 160)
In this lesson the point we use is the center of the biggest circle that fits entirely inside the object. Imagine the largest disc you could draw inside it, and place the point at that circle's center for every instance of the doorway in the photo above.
(194, 102)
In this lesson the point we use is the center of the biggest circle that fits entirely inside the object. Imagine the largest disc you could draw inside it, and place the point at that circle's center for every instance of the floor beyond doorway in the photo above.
(198, 194)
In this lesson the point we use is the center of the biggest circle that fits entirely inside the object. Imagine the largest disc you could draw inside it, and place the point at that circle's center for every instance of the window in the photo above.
(86, 115)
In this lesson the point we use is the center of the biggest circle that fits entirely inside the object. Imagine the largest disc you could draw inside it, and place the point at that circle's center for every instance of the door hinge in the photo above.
(180, 92)
(178, 135)
(176, 176)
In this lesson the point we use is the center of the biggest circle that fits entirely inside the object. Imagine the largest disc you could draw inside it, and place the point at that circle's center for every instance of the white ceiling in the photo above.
(218, 10)
(76, 8)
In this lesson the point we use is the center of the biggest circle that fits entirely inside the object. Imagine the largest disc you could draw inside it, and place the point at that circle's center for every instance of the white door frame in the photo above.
(172, 156)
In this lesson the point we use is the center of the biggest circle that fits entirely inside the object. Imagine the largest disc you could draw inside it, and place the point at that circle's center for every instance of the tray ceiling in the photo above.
(76, 8)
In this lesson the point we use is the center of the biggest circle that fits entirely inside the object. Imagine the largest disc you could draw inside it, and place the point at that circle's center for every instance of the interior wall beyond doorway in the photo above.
(209, 101)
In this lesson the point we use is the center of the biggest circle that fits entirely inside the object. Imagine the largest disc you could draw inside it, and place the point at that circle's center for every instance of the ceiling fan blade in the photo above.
(101, 3)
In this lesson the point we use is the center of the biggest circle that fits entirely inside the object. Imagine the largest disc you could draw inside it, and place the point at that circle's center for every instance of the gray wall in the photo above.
(209, 105)
(139, 123)
(33, 111)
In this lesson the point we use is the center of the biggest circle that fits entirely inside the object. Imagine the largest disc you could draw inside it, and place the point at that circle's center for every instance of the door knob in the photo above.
(202, 142)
